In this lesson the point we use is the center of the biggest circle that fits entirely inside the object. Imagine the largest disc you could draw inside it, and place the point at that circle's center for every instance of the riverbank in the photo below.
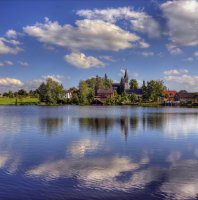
(19, 101)
(35, 101)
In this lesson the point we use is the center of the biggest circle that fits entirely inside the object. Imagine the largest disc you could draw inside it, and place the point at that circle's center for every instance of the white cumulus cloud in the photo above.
(10, 82)
(9, 46)
(174, 50)
(140, 21)
(182, 18)
(176, 72)
(86, 34)
(11, 33)
(80, 60)
(181, 79)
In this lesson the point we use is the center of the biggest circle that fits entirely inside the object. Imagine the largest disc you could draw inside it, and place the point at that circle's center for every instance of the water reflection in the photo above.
(170, 124)
(51, 125)
(100, 172)
(134, 122)
(81, 147)
(159, 160)
(177, 181)
(9, 162)
(96, 125)
(181, 180)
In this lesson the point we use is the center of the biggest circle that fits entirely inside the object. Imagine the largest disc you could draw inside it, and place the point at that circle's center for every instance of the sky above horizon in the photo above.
(73, 40)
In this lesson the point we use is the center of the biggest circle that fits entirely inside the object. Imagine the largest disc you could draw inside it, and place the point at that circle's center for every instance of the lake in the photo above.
(98, 152)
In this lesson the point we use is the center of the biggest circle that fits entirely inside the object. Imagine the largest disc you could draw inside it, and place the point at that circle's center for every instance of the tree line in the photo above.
(21, 93)
(52, 92)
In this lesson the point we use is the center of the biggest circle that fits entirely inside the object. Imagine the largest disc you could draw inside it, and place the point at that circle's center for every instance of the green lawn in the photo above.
(19, 101)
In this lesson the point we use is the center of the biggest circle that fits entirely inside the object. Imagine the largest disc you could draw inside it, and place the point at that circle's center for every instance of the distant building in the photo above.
(168, 95)
(115, 86)
(124, 83)
(186, 96)
(126, 80)
(138, 92)
(103, 94)
(69, 93)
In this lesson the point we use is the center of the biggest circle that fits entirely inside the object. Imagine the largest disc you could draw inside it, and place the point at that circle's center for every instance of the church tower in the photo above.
(126, 80)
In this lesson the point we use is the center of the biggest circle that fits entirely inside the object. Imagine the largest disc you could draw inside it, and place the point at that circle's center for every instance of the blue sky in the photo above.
(77, 39)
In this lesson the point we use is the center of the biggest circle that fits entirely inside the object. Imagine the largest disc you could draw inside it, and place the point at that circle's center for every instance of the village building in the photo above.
(186, 96)
(69, 93)
(124, 83)
(125, 86)
(168, 95)
(103, 94)
(138, 91)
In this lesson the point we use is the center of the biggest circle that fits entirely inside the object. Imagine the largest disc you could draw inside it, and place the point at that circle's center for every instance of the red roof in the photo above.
(170, 93)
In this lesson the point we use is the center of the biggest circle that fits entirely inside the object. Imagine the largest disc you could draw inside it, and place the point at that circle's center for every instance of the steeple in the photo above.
(126, 79)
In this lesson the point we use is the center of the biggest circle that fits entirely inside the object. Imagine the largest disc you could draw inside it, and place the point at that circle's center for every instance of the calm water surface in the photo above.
(99, 152)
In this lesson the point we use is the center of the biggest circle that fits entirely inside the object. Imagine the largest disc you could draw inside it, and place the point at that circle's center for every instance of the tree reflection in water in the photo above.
(126, 123)
(51, 126)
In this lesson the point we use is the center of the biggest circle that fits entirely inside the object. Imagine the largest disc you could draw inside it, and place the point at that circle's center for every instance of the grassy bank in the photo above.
(153, 104)
(19, 101)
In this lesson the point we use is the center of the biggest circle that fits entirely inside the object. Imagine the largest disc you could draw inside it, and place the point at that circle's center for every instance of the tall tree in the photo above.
(83, 92)
(22, 92)
(154, 89)
(133, 83)
(121, 86)
(107, 82)
(99, 83)
(51, 92)
(10, 94)
(144, 91)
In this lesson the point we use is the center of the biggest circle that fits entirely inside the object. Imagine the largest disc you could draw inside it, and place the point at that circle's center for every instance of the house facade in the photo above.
(103, 94)
(186, 96)
(69, 93)
(168, 95)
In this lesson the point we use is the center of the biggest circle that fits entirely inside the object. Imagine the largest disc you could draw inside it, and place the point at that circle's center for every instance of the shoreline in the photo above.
(33, 101)
(132, 105)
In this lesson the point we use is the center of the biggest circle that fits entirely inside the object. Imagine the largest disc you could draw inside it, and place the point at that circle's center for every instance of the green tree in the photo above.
(144, 91)
(110, 101)
(133, 98)
(5, 94)
(122, 86)
(51, 92)
(133, 83)
(154, 90)
(83, 92)
(99, 83)
(22, 93)
(75, 99)
(10, 94)
(124, 98)
(107, 82)
(42, 90)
